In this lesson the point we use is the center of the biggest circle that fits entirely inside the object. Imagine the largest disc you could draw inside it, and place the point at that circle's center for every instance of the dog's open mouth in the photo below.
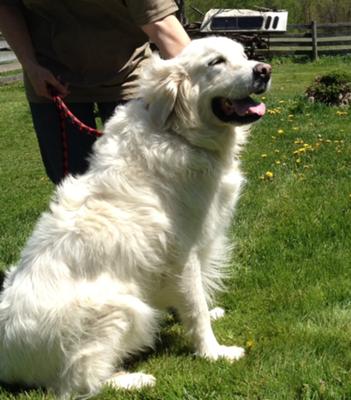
(243, 111)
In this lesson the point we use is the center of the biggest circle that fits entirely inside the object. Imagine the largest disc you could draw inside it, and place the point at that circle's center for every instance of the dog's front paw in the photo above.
(230, 353)
(216, 313)
(131, 381)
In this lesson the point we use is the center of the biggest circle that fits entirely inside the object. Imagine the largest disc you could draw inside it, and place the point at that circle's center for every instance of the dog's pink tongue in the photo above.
(248, 107)
(243, 107)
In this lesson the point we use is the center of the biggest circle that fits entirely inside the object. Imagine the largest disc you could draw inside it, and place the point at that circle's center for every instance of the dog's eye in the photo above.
(216, 61)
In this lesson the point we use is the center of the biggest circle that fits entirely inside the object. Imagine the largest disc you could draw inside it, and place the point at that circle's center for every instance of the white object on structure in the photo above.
(241, 20)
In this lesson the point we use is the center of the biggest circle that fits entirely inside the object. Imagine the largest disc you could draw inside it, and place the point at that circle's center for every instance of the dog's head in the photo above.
(207, 87)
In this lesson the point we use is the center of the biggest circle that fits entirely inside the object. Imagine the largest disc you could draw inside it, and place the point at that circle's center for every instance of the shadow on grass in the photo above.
(171, 341)
(2, 278)
(19, 390)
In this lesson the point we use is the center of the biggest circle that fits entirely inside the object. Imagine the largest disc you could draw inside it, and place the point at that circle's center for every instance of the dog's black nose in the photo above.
(262, 71)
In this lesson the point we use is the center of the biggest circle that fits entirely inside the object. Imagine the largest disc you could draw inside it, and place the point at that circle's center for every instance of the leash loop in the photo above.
(64, 114)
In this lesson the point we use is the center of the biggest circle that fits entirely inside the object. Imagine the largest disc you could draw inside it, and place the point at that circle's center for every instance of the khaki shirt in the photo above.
(97, 46)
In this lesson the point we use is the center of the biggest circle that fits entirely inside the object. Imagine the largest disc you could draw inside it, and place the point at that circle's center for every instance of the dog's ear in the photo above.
(164, 86)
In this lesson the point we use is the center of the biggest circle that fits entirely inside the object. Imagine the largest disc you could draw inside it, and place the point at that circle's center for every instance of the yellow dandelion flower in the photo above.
(264, 155)
(280, 131)
(278, 162)
(269, 175)
(250, 344)
(341, 113)
(301, 150)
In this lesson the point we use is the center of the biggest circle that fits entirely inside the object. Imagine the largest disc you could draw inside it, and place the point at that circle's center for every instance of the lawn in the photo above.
(289, 298)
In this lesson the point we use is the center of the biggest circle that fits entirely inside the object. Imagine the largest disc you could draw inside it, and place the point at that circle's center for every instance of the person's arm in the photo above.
(14, 28)
(168, 35)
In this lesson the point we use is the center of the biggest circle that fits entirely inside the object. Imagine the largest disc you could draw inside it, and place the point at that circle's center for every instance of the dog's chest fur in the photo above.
(183, 196)
(202, 206)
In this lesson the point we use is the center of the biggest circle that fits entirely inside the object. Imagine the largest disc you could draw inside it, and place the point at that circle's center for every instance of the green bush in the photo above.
(332, 89)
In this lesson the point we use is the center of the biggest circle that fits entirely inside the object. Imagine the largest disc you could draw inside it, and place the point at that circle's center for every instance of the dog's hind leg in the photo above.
(109, 332)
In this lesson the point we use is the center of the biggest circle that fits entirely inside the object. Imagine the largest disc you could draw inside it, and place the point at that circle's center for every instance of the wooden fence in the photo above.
(6, 55)
(310, 39)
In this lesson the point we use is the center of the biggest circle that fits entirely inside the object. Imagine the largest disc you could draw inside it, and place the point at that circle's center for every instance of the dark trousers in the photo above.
(46, 123)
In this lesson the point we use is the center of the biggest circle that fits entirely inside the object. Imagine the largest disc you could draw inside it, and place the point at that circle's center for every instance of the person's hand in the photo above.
(44, 81)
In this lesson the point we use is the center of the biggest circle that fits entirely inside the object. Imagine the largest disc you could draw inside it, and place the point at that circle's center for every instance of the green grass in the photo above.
(289, 299)
(24, 188)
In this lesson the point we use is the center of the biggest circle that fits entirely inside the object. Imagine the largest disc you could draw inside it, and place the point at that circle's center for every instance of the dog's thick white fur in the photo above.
(143, 230)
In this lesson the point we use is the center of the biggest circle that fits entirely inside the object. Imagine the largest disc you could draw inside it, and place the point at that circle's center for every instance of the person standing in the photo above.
(90, 53)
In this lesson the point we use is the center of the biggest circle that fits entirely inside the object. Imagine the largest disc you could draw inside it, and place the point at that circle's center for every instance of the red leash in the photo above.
(64, 114)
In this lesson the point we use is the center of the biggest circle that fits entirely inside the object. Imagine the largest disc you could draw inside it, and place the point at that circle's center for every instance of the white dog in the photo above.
(143, 230)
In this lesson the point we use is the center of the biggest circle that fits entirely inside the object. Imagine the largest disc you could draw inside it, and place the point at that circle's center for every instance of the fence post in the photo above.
(314, 41)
